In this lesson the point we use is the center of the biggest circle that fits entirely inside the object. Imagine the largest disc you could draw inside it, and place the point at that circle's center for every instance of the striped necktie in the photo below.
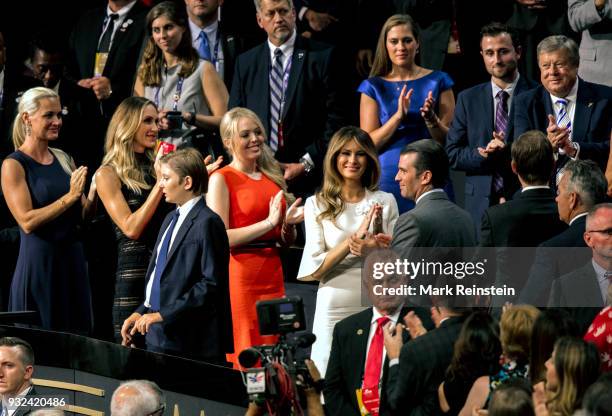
(276, 97)
(501, 125)
(563, 119)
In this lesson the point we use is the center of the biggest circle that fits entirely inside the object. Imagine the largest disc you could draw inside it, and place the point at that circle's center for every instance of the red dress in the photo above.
(255, 273)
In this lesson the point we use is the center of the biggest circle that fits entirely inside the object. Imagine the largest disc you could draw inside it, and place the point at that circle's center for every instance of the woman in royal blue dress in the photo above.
(401, 101)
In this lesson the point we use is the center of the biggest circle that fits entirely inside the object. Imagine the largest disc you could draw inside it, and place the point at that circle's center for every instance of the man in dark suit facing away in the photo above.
(586, 290)
(482, 129)
(518, 226)
(289, 81)
(186, 310)
(582, 186)
(17, 367)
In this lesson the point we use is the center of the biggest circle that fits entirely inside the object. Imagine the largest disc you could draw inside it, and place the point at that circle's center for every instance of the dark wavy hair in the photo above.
(477, 349)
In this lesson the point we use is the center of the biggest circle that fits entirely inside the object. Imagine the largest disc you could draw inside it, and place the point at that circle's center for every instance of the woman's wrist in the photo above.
(269, 223)
(433, 122)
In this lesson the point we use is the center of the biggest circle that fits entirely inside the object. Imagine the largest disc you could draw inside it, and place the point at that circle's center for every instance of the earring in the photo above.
(28, 129)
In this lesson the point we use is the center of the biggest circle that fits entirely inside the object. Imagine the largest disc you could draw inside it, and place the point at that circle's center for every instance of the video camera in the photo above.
(275, 379)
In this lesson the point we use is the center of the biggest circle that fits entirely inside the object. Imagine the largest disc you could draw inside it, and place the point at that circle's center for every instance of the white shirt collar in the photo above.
(571, 97)
(187, 206)
(286, 48)
(584, 214)
(427, 193)
(509, 89)
(122, 12)
(529, 188)
(210, 30)
(393, 318)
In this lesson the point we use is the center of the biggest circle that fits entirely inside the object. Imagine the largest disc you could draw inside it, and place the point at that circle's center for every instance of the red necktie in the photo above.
(373, 365)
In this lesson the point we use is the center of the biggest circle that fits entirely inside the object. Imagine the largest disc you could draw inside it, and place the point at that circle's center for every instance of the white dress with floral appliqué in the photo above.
(339, 293)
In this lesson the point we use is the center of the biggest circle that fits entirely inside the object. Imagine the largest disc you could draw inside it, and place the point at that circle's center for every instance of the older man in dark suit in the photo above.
(358, 348)
(482, 127)
(575, 114)
(186, 310)
(290, 83)
(582, 186)
(586, 290)
(518, 226)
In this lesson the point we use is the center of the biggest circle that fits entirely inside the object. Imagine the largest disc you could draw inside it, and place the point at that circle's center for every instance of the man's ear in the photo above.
(587, 238)
(426, 178)
(187, 183)
(513, 167)
(574, 199)
(28, 372)
(259, 20)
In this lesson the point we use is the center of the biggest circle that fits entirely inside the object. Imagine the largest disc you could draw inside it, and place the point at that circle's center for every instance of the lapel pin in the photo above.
(590, 104)
(230, 38)
(300, 55)
(360, 332)
(64, 111)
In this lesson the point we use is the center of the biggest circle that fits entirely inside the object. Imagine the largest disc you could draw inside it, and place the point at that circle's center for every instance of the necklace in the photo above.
(411, 78)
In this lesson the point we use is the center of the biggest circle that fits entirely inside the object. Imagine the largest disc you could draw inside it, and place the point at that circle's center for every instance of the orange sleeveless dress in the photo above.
(255, 273)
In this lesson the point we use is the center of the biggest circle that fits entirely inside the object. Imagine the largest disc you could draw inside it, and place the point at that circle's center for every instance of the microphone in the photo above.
(249, 357)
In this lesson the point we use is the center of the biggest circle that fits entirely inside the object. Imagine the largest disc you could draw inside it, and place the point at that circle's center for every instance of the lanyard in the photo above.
(175, 98)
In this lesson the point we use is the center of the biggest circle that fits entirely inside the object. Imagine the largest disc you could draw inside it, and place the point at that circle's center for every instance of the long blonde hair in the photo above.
(119, 145)
(30, 103)
(330, 195)
(266, 162)
(153, 59)
(382, 63)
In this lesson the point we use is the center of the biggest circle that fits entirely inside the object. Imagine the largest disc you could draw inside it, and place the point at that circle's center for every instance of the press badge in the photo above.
(256, 380)
(101, 58)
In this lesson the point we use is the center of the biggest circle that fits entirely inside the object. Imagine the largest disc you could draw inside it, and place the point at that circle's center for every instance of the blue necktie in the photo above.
(160, 264)
(204, 47)
(501, 125)
(563, 121)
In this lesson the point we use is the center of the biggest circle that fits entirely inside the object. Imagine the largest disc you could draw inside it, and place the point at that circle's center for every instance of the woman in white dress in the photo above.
(344, 207)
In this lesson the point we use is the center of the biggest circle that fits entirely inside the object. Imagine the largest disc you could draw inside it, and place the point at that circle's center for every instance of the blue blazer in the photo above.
(194, 297)
(472, 127)
(592, 120)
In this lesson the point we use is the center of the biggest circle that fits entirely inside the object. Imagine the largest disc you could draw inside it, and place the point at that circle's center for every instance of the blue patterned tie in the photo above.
(563, 120)
(276, 97)
(501, 125)
(160, 264)
(204, 47)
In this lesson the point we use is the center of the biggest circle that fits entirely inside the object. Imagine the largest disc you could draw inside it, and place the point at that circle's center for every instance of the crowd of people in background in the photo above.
(160, 171)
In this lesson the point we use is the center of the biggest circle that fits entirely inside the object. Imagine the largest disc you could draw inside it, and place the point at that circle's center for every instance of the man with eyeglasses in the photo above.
(138, 398)
(588, 289)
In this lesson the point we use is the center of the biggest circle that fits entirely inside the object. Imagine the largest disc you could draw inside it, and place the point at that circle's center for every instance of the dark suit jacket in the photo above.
(194, 297)
(516, 228)
(473, 127)
(412, 385)
(25, 410)
(122, 59)
(347, 361)
(312, 112)
(553, 258)
(232, 46)
(578, 292)
(592, 120)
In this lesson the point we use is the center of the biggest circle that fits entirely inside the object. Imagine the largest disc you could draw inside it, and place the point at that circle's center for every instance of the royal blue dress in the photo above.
(412, 128)
(51, 273)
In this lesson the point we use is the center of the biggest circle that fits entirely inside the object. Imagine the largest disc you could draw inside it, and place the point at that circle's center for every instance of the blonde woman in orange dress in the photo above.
(250, 196)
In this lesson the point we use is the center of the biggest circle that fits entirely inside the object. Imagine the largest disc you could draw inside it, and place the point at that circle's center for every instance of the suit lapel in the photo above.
(262, 85)
(93, 37)
(120, 34)
(359, 346)
(486, 108)
(297, 64)
(185, 226)
(521, 86)
(583, 111)
(543, 109)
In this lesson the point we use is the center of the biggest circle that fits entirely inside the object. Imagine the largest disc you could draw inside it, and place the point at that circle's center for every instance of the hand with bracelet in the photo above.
(428, 113)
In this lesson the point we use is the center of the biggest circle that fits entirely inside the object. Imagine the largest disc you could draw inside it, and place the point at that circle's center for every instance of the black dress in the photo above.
(51, 273)
(133, 255)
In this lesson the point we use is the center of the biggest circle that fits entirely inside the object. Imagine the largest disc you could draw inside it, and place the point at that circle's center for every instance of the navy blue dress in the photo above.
(51, 273)
(412, 128)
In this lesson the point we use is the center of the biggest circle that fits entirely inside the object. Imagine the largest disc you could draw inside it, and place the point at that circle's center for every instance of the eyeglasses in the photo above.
(607, 231)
